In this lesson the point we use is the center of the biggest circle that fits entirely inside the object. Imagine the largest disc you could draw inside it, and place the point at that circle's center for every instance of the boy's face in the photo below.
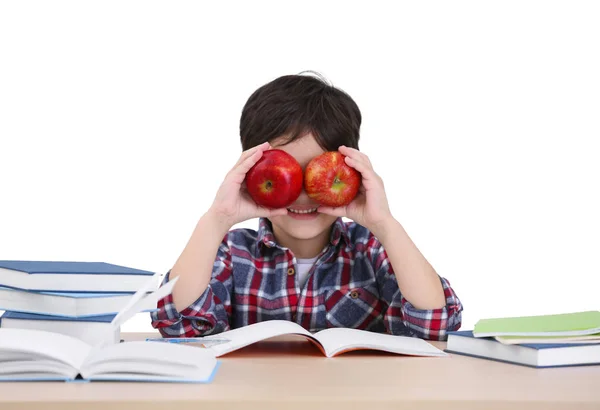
(308, 225)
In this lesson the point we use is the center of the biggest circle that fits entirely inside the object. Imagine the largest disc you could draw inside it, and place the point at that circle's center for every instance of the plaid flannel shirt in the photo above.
(352, 284)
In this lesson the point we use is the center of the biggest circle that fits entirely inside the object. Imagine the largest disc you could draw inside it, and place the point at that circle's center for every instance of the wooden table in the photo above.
(290, 373)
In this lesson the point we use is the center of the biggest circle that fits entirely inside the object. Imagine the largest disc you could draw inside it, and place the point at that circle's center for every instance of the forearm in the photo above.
(195, 264)
(418, 281)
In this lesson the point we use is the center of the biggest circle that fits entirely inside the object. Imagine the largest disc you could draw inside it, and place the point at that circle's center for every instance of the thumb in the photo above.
(273, 212)
(327, 210)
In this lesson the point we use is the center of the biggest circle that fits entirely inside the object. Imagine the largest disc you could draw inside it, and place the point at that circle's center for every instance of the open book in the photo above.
(331, 342)
(28, 355)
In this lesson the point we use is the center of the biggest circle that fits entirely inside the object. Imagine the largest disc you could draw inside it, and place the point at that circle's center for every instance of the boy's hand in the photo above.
(232, 203)
(370, 206)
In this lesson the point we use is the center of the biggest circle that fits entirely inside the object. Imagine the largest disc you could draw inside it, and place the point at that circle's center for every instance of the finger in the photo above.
(246, 154)
(327, 210)
(355, 155)
(365, 169)
(239, 172)
(263, 212)
(268, 213)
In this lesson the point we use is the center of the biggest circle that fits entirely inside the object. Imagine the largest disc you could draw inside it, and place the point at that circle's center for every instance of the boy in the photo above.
(304, 263)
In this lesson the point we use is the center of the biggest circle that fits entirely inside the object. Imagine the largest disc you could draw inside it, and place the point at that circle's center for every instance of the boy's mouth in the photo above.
(302, 211)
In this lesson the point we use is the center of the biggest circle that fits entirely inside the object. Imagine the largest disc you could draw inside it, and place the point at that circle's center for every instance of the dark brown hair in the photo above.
(295, 105)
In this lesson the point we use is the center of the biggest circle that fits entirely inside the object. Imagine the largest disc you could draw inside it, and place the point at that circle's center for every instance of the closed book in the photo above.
(71, 276)
(564, 324)
(68, 304)
(90, 330)
(532, 355)
(517, 340)
(35, 355)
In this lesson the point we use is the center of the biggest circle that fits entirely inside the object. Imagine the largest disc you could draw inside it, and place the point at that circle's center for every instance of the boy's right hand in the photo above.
(232, 203)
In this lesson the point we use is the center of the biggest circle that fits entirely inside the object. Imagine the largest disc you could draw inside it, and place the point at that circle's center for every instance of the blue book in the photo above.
(67, 304)
(88, 329)
(32, 316)
(57, 276)
(36, 355)
(533, 355)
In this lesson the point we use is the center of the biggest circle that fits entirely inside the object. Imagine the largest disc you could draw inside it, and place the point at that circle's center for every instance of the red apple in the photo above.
(329, 181)
(275, 181)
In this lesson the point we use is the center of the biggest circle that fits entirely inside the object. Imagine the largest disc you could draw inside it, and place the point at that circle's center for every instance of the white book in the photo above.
(331, 342)
(517, 340)
(70, 304)
(36, 355)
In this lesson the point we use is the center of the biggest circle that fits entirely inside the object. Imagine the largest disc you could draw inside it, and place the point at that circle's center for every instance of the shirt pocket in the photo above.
(356, 308)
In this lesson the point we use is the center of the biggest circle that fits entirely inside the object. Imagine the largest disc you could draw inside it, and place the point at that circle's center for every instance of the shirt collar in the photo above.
(266, 237)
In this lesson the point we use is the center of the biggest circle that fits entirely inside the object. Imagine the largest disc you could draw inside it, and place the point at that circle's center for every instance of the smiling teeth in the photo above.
(308, 211)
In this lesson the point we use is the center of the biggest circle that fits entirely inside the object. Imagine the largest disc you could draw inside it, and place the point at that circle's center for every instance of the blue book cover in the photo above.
(74, 295)
(71, 276)
(79, 295)
(527, 354)
(67, 304)
(33, 316)
(68, 267)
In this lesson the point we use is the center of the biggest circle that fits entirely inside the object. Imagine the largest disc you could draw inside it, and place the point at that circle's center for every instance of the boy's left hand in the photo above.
(370, 206)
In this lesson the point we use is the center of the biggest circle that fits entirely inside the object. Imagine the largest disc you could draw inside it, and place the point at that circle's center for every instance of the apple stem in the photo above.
(269, 185)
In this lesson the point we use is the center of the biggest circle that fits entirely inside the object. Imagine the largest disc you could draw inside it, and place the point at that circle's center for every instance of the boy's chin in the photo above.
(304, 229)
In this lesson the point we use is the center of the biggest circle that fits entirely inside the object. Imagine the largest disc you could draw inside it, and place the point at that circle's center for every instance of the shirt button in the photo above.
(294, 317)
(291, 271)
(354, 294)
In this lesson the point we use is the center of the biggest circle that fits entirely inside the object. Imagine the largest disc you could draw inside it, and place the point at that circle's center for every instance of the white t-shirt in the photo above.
(304, 266)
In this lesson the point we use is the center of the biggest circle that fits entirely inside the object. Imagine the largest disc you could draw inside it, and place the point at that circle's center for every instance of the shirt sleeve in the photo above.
(209, 314)
(400, 316)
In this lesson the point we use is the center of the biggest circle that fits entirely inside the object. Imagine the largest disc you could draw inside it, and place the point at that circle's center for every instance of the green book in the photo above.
(566, 324)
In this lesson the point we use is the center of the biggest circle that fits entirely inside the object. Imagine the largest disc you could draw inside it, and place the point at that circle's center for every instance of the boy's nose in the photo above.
(303, 196)
(305, 199)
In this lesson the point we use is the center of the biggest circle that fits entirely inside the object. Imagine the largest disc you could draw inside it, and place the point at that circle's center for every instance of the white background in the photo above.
(118, 120)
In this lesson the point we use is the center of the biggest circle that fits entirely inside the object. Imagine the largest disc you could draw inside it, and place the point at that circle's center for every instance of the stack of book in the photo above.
(78, 299)
(62, 322)
(29, 354)
(568, 339)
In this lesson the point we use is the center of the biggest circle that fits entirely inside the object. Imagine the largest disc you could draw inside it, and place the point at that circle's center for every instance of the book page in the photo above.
(339, 340)
(139, 301)
(150, 358)
(37, 369)
(59, 347)
(132, 307)
(253, 333)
